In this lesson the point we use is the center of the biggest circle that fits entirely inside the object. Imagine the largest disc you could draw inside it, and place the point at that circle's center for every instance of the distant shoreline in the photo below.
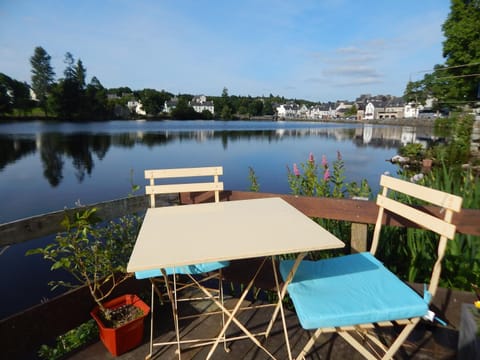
(395, 122)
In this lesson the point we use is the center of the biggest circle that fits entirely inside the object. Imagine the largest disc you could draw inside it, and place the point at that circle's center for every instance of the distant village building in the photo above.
(321, 112)
(368, 108)
(290, 110)
(170, 105)
(379, 107)
(410, 111)
(342, 107)
(200, 104)
(136, 107)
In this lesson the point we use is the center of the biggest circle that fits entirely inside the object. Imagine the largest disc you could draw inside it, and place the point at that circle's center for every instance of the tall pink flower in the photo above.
(311, 158)
(324, 161)
(295, 170)
(326, 175)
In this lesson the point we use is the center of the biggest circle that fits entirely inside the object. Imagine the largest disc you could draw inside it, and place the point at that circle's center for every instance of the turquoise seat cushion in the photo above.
(188, 269)
(349, 290)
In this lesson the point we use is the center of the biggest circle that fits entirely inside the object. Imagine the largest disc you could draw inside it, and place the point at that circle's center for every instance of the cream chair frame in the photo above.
(359, 334)
(173, 286)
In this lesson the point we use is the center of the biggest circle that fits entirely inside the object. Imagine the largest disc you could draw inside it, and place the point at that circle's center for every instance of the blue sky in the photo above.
(322, 50)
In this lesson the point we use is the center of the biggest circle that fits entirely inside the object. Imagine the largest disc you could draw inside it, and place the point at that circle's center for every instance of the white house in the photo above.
(410, 111)
(136, 107)
(288, 110)
(200, 104)
(369, 111)
(320, 111)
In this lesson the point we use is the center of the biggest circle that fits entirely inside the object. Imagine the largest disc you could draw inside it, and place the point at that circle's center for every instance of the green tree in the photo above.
(183, 111)
(80, 74)
(455, 83)
(461, 50)
(42, 76)
(70, 98)
(6, 105)
(96, 100)
(69, 71)
(256, 108)
(268, 108)
(153, 100)
(14, 94)
(21, 96)
(225, 93)
(352, 111)
(226, 113)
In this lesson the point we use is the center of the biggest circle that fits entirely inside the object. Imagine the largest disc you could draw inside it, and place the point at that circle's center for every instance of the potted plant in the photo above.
(97, 255)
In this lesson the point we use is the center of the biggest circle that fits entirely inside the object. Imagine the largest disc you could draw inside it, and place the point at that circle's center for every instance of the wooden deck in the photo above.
(427, 341)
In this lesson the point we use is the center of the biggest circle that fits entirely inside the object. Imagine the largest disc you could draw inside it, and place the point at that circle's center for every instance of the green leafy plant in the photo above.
(94, 254)
(413, 151)
(325, 180)
(70, 341)
(254, 185)
(458, 132)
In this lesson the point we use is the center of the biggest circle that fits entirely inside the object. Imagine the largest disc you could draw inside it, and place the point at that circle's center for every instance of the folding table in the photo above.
(232, 230)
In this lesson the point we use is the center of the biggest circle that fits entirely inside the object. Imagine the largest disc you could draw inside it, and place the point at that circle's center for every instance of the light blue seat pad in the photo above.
(349, 290)
(188, 269)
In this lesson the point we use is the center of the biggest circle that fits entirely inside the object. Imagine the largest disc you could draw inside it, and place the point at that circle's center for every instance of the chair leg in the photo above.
(401, 338)
(222, 301)
(175, 316)
(152, 299)
(309, 344)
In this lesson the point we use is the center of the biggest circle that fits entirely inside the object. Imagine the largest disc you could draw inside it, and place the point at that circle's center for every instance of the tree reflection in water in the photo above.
(81, 147)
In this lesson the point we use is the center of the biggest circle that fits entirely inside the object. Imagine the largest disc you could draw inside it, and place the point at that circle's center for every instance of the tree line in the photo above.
(72, 98)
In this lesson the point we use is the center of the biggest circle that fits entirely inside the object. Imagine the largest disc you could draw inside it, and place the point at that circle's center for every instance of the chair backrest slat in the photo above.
(183, 172)
(441, 226)
(428, 221)
(432, 196)
(152, 189)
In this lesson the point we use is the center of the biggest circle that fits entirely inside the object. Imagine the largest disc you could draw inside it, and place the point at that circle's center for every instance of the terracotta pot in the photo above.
(125, 337)
(427, 163)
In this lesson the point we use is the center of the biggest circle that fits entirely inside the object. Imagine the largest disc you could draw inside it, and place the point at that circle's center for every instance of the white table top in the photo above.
(193, 234)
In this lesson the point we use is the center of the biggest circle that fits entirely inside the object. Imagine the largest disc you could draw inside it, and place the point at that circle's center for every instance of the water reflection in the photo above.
(81, 148)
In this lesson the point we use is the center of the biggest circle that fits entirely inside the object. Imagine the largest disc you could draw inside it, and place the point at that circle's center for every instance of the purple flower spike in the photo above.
(295, 170)
(326, 175)
(324, 161)
(311, 158)
(339, 156)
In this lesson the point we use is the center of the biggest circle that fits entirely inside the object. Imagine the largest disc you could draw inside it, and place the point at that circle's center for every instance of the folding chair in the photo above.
(169, 278)
(355, 294)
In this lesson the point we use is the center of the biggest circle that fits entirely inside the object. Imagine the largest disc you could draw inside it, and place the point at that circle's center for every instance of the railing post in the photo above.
(358, 240)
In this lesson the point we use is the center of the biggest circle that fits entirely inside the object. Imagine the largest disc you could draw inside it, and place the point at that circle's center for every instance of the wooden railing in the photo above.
(23, 333)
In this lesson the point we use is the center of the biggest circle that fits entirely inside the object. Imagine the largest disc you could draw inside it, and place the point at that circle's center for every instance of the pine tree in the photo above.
(42, 76)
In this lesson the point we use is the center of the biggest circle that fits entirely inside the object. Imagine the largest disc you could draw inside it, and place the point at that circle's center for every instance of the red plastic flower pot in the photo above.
(125, 337)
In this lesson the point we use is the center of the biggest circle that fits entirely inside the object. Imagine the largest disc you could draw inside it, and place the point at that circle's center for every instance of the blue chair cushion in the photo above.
(188, 269)
(349, 290)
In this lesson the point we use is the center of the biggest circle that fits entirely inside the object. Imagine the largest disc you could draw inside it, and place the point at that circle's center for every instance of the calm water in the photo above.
(48, 166)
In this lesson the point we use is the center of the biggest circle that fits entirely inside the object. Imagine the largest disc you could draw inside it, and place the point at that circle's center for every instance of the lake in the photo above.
(46, 166)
